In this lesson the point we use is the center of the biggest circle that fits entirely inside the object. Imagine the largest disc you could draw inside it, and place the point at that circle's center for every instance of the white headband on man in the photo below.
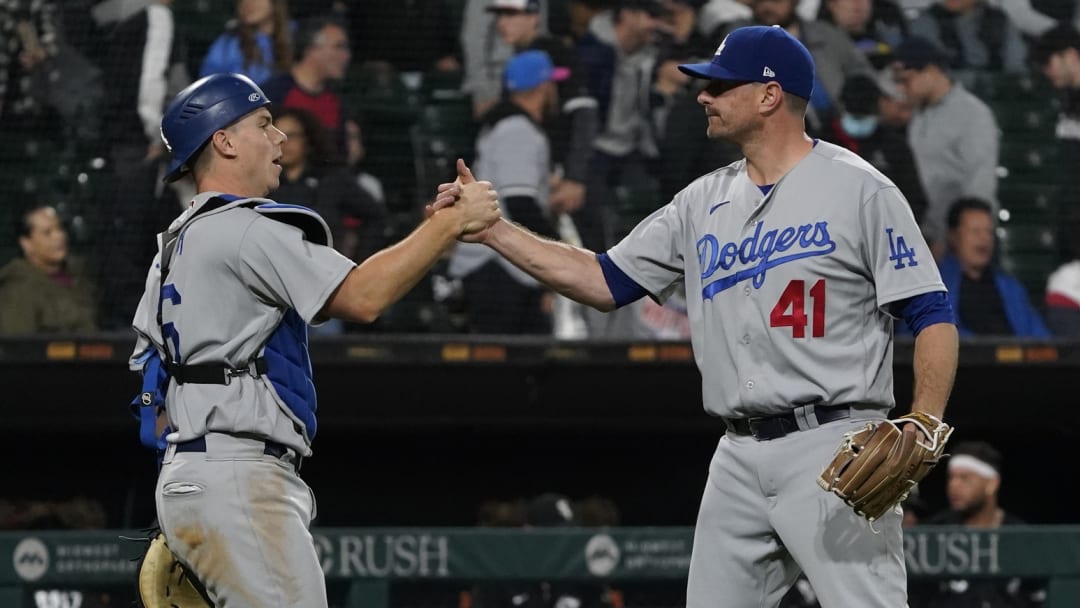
(970, 463)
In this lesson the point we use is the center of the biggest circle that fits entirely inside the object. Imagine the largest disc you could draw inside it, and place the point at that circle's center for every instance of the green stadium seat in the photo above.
(1031, 270)
(1025, 118)
(1028, 202)
(1029, 253)
(442, 87)
(1030, 162)
(993, 87)
(443, 133)
(1027, 239)
(386, 111)
(633, 203)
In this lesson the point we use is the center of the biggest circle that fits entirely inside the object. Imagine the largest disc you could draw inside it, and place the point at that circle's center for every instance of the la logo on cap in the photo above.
(768, 73)
(722, 43)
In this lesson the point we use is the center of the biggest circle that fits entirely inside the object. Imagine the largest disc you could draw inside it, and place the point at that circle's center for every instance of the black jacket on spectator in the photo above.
(122, 62)
(572, 130)
(357, 221)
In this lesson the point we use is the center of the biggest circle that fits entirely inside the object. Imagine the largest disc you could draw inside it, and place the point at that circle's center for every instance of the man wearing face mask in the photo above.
(870, 127)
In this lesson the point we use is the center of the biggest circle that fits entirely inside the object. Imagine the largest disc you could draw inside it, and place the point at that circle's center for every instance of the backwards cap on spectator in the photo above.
(530, 69)
(976, 457)
(760, 53)
(514, 6)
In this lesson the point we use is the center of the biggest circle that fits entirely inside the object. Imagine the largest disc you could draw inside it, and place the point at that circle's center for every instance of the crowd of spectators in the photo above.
(948, 98)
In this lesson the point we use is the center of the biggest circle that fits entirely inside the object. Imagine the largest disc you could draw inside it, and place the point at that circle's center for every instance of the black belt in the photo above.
(271, 448)
(215, 373)
(764, 428)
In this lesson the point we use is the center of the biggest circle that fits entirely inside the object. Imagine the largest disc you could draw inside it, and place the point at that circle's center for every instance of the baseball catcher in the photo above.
(876, 466)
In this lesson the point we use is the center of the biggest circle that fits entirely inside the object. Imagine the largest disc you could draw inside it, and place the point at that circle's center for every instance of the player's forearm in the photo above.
(572, 271)
(385, 277)
(936, 351)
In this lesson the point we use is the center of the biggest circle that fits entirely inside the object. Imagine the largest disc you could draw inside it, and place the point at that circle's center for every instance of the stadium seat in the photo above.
(1034, 162)
(1027, 85)
(1032, 271)
(1029, 252)
(633, 203)
(1028, 202)
(1037, 239)
(439, 87)
(386, 111)
(443, 133)
(1025, 119)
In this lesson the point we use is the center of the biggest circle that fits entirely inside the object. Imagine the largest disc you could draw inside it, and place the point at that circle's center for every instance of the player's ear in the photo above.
(222, 142)
(771, 95)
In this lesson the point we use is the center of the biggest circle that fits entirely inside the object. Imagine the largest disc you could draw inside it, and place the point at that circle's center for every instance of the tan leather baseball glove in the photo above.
(166, 583)
(877, 465)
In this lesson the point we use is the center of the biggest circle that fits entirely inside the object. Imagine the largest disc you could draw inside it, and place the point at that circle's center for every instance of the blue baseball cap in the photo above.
(760, 53)
(530, 69)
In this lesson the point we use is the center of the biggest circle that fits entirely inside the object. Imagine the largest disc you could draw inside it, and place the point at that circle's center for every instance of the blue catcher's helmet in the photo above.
(205, 106)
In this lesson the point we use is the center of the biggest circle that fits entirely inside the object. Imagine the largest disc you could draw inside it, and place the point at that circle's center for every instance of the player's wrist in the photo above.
(496, 233)
(449, 221)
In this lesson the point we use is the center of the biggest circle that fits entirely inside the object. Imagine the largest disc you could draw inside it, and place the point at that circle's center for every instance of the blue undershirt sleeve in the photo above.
(922, 311)
(623, 289)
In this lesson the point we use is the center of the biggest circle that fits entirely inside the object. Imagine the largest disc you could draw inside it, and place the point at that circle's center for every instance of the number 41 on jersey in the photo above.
(790, 309)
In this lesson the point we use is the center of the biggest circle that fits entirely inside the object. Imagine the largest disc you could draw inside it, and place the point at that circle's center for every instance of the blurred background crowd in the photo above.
(573, 108)
(576, 111)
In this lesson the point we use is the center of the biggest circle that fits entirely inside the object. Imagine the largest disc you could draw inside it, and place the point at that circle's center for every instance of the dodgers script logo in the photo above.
(758, 253)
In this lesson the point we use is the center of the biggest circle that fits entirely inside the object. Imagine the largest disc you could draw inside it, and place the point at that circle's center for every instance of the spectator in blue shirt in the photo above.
(256, 43)
(987, 300)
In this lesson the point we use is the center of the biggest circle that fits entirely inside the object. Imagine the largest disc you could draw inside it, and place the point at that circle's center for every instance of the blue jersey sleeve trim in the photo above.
(922, 311)
(624, 290)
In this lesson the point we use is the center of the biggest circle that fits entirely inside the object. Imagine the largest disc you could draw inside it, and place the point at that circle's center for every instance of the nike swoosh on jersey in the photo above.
(717, 206)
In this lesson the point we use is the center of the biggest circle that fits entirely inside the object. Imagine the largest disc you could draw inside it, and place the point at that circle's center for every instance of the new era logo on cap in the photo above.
(760, 53)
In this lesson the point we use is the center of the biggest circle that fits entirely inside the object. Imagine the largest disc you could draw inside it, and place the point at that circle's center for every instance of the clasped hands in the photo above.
(477, 201)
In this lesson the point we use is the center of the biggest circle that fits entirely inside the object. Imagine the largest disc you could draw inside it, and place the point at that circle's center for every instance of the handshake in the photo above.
(476, 203)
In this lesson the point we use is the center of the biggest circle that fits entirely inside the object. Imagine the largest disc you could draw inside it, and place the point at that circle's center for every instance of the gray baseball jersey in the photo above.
(787, 292)
(234, 276)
